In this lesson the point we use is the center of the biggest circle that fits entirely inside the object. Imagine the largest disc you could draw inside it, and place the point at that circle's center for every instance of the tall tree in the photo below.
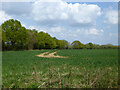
(32, 39)
(77, 45)
(89, 45)
(62, 44)
(46, 41)
(14, 34)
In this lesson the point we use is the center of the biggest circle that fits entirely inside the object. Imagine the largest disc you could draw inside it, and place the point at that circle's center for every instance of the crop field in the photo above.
(93, 68)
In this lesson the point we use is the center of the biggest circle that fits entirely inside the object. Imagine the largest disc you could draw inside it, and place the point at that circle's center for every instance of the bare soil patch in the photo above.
(51, 55)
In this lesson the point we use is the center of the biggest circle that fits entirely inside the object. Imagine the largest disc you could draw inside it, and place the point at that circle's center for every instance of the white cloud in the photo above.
(111, 17)
(54, 13)
(56, 29)
(17, 8)
(75, 35)
(94, 31)
(71, 14)
(28, 0)
(113, 34)
(24, 25)
(90, 31)
(58, 0)
(36, 28)
(60, 19)
(58, 32)
(41, 30)
(32, 27)
(3, 16)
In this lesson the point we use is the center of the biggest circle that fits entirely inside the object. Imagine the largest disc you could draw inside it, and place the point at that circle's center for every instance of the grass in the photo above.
(83, 69)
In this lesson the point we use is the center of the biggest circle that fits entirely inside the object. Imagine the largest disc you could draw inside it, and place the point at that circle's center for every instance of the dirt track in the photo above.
(51, 55)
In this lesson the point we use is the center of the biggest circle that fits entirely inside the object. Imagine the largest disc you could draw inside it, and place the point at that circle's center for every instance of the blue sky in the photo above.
(94, 22)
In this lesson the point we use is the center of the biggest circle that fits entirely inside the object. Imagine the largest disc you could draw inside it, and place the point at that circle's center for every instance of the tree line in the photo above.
(17, 37)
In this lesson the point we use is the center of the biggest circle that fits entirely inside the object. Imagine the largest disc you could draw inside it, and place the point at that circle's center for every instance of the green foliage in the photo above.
(77, 45)
(17, 37)
(89, 46)
(45, 41)
(32, 39)
(62, 44)
(14, 34)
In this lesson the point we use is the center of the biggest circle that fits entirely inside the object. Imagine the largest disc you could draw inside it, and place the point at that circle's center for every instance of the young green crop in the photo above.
(83, 69)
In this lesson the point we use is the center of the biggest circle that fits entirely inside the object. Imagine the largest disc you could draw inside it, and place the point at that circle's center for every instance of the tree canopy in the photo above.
(77, 45)
(17, 37)
(14, 35)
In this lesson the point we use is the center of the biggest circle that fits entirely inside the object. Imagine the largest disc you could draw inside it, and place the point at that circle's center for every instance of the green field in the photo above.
(83, 69)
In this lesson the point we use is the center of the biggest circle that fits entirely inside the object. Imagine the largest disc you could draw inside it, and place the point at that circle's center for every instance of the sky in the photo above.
(95, 22)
